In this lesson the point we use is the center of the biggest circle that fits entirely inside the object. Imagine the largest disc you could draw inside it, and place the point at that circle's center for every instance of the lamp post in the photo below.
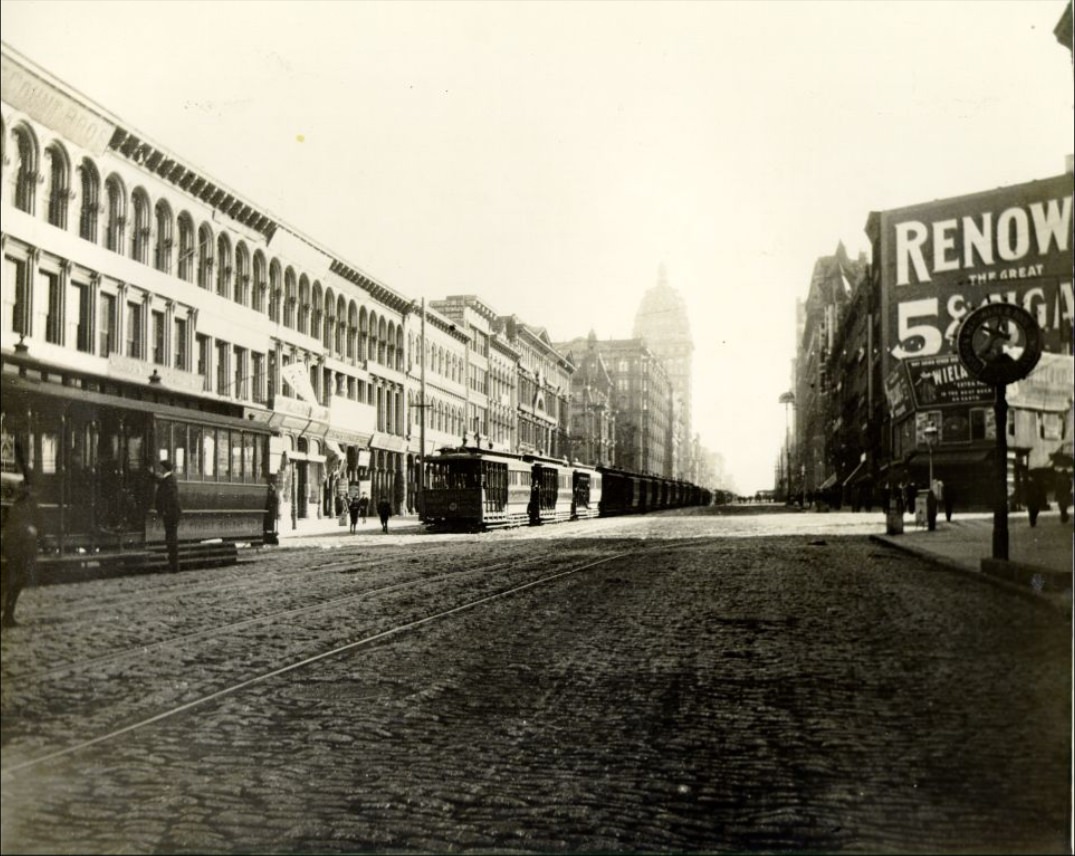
(931, 435)
(786, 399)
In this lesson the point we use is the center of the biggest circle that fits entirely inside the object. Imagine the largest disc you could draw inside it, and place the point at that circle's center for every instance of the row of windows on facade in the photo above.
(305, 307)
(227, 369)
(68, 320)
(289, 298)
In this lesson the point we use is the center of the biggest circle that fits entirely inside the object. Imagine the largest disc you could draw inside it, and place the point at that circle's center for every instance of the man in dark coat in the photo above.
(384, 511)
(20, 549)
(169, 511)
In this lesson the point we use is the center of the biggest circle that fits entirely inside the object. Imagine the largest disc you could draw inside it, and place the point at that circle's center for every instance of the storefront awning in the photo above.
(952, 457)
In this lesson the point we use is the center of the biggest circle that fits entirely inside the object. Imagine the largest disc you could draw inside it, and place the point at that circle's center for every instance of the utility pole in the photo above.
(422, 409)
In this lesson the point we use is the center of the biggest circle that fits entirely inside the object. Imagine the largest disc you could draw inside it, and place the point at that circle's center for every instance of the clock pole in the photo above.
(1000, 474)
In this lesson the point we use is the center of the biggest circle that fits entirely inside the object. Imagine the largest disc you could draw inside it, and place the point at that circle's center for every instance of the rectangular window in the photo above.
(15, 273)
(109, 324)
(182, 355)
(222, 349)
(82, 310)
(159, 340)
(258, 361)
(239, 372)
(134, 329)
(203, 355)
(54, 310)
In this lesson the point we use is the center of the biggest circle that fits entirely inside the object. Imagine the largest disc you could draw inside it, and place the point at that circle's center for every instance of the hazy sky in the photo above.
(548, 157)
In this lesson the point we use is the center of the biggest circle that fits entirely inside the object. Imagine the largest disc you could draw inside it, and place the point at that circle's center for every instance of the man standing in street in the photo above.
(384, 511)
(169, 511)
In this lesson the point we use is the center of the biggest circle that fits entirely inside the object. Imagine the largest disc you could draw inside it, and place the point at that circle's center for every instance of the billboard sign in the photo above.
(941, 260)
(943, 380)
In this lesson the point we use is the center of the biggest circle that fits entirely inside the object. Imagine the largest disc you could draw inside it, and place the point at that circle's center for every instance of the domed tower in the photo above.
(663, 322)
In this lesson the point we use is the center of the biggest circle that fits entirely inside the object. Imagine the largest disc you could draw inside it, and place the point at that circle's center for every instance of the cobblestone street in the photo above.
(624, 692)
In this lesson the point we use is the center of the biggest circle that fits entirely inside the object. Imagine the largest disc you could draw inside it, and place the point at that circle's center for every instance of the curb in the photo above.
(1059, 605)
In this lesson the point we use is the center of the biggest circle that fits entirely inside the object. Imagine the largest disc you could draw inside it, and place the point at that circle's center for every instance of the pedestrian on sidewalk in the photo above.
(384, 511)
(949, 501)
(168, 508)
(20, 549)
(1035, 498)
(353, 509)
(1063, 493)
(363, 507)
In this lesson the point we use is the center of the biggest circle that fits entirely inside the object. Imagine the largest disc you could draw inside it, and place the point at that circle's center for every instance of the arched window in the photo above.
(382, 341)
(241, 292)
(205, 256)
(341, 325)
(290, 298)
(390, 345)
(363, 333)
(59, 188)
(162, 250)
(373, 339)
(91, 201)
(25, 169)
(352, 329)
(140, 233)
(260, 286)
(276, 293)
(223, 271)
(304, 306)
(322, 311)
(187, 250)
(117, 213)
(399, 349)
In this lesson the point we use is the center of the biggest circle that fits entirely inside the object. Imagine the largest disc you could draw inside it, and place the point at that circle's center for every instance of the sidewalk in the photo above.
(324, 528)
(1039, 558)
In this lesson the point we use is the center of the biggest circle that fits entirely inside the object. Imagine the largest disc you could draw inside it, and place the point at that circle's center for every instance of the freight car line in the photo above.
(369, 640)
(217, 631)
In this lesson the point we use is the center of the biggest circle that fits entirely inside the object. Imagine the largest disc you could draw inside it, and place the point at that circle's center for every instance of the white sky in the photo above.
(549, 156)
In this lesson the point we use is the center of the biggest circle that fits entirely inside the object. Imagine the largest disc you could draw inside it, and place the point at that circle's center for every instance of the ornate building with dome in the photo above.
(663, 323)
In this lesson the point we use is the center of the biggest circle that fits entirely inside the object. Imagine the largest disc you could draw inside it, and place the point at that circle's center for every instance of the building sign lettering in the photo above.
(941, 260)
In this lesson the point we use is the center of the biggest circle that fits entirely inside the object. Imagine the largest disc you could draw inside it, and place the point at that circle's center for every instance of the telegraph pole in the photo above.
(422, 410)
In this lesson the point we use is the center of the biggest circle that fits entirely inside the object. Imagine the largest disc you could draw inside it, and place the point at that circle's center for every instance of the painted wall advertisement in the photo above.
(943, 259)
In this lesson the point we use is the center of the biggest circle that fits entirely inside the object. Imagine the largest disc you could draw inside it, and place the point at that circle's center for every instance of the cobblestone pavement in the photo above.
(676, 692)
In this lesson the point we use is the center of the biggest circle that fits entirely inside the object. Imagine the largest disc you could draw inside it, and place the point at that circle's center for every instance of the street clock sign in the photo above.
(999, 343)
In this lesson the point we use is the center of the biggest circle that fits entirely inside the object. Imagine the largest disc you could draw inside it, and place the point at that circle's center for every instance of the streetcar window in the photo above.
(179, 453)
(8, 462)
(164, 441)
(250, 474)
(49, 446)
(134, 452)
(223, 456)
(209, 452)
(237, 455)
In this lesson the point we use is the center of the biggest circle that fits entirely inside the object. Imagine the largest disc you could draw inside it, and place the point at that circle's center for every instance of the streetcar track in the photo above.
(367, 641)
(141, 649)
(244, 583)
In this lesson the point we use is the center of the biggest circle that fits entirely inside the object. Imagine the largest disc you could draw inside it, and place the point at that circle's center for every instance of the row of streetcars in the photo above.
(467, 488)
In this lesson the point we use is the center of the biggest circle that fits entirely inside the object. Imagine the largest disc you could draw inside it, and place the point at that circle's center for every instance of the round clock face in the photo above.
(999, 343)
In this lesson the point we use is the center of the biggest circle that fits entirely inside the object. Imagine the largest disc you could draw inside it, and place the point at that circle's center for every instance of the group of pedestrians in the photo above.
(359, 506)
